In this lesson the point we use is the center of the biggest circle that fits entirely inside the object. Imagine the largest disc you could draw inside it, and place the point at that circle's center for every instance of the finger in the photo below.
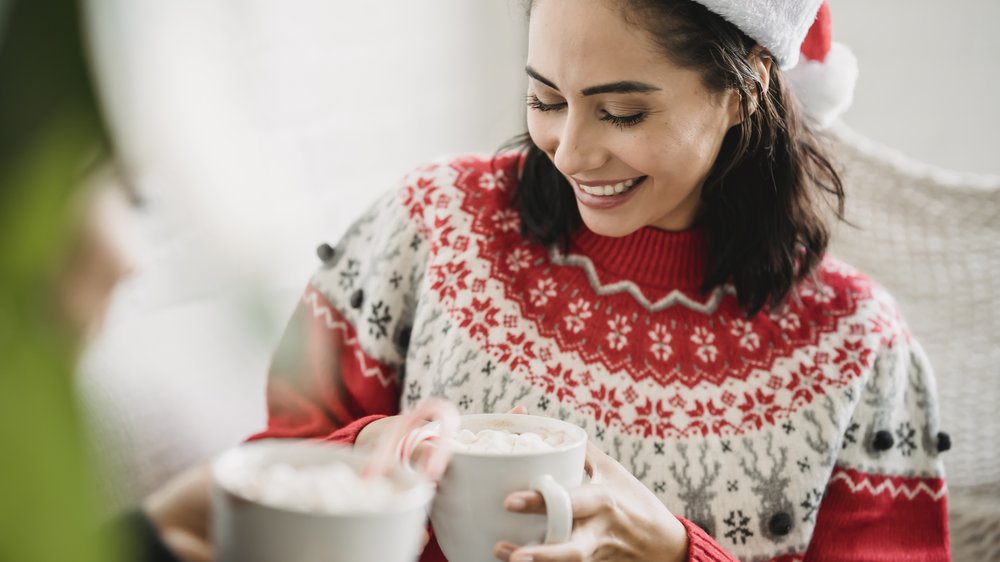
(586, 501)
(580, 547)
(435, 462)
(183, 502)
(502, 550)
(387, 452)
(519, 409)
(189, 547)
(600, 467)
(524, 502)
(595, 459)
(588, 468)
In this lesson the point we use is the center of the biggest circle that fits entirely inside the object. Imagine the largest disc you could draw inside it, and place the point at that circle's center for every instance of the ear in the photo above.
(760, 61)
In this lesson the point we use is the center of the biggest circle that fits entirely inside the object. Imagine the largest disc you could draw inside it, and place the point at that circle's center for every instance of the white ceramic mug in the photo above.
(468, 514)
(248, 531)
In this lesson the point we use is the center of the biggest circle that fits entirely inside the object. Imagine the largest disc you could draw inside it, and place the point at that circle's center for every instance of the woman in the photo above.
(651, 266)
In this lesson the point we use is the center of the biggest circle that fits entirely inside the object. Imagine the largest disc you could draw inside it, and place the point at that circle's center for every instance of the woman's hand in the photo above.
(397, 440)
(615, 518)
(180, 512)
(371, 434)
(384, 433)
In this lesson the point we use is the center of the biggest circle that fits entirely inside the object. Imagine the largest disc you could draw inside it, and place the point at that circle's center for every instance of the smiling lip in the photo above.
(603, 182)
(602, 202)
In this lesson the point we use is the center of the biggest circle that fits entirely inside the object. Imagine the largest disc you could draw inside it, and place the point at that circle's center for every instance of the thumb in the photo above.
(597, 463)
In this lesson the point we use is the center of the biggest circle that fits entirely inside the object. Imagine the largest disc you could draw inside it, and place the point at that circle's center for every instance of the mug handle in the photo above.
(559, 509)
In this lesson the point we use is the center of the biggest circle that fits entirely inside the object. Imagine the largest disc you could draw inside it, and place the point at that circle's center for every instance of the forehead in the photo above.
(579, 43)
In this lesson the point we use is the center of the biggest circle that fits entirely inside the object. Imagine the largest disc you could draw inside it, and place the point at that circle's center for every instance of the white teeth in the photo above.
(610, 189)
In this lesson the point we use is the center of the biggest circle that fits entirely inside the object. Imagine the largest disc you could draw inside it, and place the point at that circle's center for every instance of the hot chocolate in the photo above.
(330, 488)
(505, 442)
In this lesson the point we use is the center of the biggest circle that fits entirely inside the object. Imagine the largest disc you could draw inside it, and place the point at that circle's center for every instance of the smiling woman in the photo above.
(648, 263)
(600, 136)
(690, 125)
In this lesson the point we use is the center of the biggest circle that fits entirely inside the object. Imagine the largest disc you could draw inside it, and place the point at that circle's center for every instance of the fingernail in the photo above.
(515, 504)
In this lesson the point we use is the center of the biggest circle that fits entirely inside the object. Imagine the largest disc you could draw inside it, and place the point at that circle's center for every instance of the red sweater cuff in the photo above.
(346, 435)
(702, 547)
(349, 433)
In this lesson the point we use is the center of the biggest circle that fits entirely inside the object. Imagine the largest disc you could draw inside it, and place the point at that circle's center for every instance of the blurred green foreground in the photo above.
(50, 131)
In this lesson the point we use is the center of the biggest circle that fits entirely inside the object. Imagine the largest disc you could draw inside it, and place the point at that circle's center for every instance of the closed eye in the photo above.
(623, 121)
(620, 121)
(537, 104)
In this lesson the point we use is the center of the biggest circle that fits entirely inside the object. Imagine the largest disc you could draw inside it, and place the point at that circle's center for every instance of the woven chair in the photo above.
(932, 237)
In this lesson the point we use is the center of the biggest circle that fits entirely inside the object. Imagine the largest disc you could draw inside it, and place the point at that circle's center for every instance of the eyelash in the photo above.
(537, 104)
(620, 121)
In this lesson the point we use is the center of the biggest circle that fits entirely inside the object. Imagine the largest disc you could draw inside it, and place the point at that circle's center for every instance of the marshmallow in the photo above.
(504, 442)
(333, 488)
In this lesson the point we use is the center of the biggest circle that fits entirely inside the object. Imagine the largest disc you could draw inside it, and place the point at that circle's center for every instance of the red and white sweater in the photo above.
(808, 433)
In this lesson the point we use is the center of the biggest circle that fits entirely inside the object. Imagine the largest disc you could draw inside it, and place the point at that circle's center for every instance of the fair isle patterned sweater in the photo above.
(805, 433)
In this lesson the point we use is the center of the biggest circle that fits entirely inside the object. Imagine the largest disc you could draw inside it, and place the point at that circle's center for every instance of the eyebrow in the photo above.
(620, 87)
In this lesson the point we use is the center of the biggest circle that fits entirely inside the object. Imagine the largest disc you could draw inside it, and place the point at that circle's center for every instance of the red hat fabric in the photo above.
(799, 34)
(824, 79)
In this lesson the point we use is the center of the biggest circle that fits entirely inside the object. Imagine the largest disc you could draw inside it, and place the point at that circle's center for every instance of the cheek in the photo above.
(710, 134)
(652, 153)
(688, 152)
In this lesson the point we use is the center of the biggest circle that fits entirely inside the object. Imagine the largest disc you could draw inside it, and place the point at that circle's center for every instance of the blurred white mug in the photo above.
(251, 529)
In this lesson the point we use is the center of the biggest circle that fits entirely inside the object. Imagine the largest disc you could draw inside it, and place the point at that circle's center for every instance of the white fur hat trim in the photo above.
(778, 25)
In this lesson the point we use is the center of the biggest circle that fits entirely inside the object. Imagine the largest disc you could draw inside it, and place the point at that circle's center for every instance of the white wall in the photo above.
(253, 125)
(929, 77)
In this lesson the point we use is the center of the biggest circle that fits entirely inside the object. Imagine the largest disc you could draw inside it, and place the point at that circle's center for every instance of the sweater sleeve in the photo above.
(339, 363)
(702, 547)
(885, 499)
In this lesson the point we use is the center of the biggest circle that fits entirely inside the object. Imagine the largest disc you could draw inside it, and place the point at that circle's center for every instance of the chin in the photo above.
(608, 226)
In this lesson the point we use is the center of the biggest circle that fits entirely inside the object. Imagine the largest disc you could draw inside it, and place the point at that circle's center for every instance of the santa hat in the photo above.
(798, 33)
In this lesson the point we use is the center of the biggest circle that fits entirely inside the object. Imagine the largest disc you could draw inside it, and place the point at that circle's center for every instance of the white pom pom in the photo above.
(826, 88)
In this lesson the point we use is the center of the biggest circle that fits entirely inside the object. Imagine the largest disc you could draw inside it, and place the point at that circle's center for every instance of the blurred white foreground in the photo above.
(254, 130)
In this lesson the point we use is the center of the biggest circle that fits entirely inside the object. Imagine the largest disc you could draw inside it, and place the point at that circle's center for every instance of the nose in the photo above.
(578, 147)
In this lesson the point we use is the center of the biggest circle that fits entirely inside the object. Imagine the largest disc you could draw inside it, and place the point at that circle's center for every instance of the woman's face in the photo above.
(635, 134)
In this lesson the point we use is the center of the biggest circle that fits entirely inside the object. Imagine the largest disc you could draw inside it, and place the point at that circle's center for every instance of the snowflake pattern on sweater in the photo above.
(765, 432)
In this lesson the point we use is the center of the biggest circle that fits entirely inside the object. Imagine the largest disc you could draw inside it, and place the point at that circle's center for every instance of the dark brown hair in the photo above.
(761, 202)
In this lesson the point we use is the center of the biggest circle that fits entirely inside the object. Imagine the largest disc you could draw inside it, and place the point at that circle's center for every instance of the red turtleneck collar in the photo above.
(650, 257)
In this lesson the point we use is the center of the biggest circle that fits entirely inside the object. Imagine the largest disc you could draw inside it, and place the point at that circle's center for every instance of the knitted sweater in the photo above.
(805, 433)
